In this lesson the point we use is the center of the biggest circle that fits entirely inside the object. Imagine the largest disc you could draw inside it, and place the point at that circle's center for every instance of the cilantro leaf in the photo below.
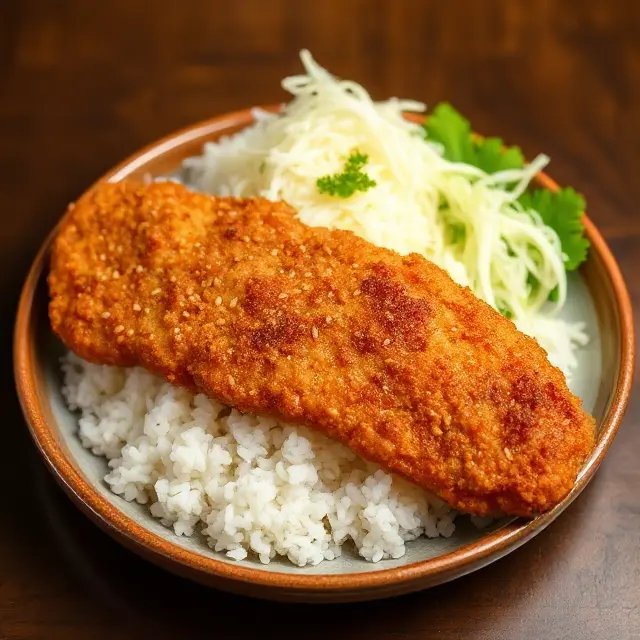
(351, 179)
(492, 158)
(449, 128)
(562, 211)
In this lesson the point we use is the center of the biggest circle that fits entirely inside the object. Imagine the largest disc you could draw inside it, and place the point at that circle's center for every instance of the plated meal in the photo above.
(336, 326)
(331, 350)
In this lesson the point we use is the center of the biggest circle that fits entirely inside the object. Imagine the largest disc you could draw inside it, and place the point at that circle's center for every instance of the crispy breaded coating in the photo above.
(238, 299)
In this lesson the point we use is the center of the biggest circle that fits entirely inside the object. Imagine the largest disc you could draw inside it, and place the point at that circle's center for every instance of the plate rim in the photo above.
(154, 547)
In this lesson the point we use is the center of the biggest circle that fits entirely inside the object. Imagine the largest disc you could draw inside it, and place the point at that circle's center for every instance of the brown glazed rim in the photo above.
(209, 569)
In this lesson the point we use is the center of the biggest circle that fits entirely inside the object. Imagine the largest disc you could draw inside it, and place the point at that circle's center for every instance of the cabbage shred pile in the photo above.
(562, 210)
(464, 202)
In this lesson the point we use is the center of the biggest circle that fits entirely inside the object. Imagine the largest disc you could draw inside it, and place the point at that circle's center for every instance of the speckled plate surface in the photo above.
(597, 297)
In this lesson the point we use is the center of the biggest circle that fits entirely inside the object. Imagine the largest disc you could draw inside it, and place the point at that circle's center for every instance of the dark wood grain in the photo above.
(83, 84)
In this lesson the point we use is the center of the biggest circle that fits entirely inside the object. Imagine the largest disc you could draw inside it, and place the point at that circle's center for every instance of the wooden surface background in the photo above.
(83, 84)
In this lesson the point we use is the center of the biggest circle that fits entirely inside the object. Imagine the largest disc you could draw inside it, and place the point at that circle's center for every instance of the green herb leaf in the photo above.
(562, 211)
(449, 128)
(492, 158)
(352, 178)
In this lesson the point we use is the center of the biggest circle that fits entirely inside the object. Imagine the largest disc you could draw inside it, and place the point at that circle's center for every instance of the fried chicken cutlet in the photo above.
(238, 299)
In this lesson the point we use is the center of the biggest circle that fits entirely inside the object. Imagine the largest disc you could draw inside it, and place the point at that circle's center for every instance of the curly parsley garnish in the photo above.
(352, 179)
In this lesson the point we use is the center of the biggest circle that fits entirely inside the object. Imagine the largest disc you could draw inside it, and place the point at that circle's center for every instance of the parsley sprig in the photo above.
(350, 180)
(561, 210)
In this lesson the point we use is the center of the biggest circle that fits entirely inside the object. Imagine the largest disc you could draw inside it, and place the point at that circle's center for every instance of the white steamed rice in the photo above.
(251, 484)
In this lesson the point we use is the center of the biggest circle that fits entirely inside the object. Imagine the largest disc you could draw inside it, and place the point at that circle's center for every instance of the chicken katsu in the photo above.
(239, 300)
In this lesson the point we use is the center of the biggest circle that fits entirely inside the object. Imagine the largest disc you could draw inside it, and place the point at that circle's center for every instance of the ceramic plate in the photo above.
(597, 297)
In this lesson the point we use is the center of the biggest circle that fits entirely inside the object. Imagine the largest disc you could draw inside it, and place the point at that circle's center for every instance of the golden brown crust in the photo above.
(381, 352)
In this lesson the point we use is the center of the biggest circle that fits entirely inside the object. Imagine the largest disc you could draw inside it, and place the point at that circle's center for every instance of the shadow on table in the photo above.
(143, 596)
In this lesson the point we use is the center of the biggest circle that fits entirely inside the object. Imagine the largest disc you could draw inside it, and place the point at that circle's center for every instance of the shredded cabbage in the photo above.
(454, 214)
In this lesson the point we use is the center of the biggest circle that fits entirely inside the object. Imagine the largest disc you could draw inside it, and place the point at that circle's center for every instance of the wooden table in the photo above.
(83, 84)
